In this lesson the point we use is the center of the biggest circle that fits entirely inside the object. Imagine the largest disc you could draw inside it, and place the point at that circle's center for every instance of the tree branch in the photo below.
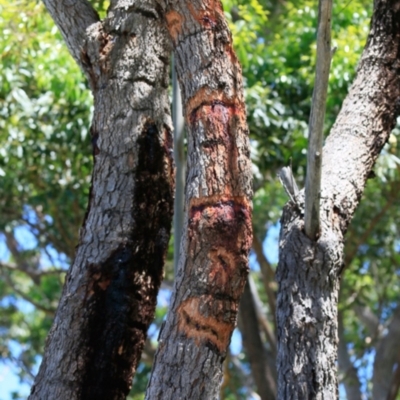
(359, 240)
(267, 273)
(73, 17)
(348, 374)
(387, 351)
(262, 320)
(48, 310)
(258, 357)
(395, 383)
(368, 319)
(316, 124)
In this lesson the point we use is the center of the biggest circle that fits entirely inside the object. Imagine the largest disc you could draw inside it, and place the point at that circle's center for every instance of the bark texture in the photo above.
(309, 271)
(217, 232)
(111, 289)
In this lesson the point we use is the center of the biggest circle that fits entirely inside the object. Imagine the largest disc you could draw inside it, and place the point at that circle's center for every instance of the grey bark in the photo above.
(179, 156)
(73, 19)
(217, 228)
(110, 292)
(316, 124)
(309, 271)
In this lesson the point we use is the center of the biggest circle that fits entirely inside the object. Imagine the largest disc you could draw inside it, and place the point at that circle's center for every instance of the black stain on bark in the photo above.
(122, 291)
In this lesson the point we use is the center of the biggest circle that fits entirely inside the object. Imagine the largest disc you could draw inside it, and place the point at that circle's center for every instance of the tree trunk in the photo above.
(257, 354)
(111, 290)
(350, 378)
(217, 231)
(309, 271)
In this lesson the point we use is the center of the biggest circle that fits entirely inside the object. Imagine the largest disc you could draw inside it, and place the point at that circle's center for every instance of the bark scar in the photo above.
(201, 328)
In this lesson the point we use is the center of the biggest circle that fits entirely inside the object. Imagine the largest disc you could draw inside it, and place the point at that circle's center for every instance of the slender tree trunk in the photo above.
(258, 356)
(309, 271)
(110, 292)
(386, 359)
(346, 367)
(217, 228)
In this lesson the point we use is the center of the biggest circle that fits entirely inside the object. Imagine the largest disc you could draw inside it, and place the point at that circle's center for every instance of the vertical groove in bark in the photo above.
(308, 272)
(217, 231)
(110, 292)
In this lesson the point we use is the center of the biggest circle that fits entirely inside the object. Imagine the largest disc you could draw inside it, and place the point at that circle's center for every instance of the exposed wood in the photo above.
(316, 123)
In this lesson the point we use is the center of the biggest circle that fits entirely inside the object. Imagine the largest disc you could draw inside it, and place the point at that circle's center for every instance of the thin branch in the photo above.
(316, 124)
(395, 383)
(368, 319)
(262, 320)
(259, 358)
(386, 357)
(348, 373)
(48, 310)
(34, 275)
(268, 275)
(359, 240)
(73, 18)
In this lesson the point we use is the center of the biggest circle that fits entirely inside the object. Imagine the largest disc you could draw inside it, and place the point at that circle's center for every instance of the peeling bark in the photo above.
(217, 232)
(110, 293)
(309, 271)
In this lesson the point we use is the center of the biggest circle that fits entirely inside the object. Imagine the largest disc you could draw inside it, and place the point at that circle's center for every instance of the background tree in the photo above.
(43, 140)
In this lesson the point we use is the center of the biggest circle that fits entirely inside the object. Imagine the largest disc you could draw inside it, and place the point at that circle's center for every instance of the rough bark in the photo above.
(255, 350)
(309, 271)
(110, 292)
(217, 232)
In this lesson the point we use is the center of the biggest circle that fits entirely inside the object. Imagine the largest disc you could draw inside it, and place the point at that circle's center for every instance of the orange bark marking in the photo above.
(205, 96)
(206, 328)
(222, 267)
(209, 14)
(198, 205)
(174, 24)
